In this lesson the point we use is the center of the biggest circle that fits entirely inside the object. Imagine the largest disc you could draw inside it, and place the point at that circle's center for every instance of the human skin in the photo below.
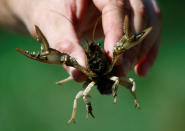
(66, 23)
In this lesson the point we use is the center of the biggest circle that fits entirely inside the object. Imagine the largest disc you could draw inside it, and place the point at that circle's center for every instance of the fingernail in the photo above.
(142, 70)
(145, 69)
(109, 52)
(109, 45)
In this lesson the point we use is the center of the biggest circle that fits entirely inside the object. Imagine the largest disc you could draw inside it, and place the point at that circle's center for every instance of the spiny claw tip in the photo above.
(17, 49)
(20, 50)
(148, 30)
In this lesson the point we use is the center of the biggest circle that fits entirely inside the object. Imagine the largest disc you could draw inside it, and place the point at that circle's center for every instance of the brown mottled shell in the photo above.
(97, 60)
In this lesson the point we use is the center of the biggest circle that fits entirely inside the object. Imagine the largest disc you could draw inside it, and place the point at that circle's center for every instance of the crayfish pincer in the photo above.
(100, 70)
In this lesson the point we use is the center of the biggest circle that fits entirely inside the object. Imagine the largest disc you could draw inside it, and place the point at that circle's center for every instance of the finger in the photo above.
(138, 15)
(155, 21)
(138, 19)
(61, 35)
(146, 63)
(150, 18)
(112, 20)
(155, 18)
(152, 40)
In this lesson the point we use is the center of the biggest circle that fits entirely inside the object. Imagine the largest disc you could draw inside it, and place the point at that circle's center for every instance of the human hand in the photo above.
(66, 22)
(144, 13)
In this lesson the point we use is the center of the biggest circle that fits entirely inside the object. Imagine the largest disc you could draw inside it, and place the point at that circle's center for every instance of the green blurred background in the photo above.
(30, 101)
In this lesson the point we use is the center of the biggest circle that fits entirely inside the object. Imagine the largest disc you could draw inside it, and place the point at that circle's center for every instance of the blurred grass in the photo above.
(29, 100)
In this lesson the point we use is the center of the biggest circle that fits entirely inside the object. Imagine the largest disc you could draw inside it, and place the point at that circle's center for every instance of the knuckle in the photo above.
(113, 4)
(64, 46)
(119, 3)
(140, 9)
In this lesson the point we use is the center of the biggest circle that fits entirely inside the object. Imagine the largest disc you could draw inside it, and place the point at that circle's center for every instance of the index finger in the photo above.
(112, 20)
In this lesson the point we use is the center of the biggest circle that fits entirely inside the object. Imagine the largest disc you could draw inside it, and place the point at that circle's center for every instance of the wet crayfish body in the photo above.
(100, 70)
